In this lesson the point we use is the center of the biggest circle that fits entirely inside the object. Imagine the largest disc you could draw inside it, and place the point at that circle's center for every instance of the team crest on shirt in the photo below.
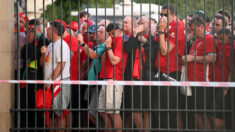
(172, 34)
(198, 45)
(47, 59)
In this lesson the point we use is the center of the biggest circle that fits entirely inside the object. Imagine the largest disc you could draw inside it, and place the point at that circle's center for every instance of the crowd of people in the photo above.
(137, 49)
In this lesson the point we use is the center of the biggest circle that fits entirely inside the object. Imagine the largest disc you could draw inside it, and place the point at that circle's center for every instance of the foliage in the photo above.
(183, 8)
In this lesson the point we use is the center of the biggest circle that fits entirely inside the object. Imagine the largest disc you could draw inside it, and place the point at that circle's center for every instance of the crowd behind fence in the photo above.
(168, 48)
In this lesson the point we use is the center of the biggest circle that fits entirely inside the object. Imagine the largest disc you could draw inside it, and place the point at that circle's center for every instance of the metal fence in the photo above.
(156, 66)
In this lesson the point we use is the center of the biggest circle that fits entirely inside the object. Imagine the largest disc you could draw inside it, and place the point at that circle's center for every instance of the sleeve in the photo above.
(210, 46)
(118, 48)
(101, 49)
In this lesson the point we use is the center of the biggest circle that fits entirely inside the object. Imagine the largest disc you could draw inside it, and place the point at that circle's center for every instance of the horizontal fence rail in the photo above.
(124, 65)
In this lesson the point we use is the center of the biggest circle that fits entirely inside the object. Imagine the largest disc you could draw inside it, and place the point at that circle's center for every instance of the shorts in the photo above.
(62, 99)
(106, 102)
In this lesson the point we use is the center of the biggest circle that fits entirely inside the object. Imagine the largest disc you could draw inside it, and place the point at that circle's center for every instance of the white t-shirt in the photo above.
(52, 59)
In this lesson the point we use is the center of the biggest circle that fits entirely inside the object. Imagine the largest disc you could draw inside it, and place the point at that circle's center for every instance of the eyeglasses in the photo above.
(164, 14)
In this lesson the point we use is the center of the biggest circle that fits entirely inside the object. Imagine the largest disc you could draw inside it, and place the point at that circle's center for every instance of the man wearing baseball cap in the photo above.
(74, 26)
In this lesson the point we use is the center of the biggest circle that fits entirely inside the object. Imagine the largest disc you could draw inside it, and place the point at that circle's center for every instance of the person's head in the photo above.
(127, 26)
(168, 11)
(34, 25)
(84, 27)
(145, 22)
(55, 31)
(225, 14)
(23, 19)
(92, 33)
(84, 15)
(189, 17)
(218, 23)
(196, 26)
(153, 21)
(224, 36)
(101, 34)
(74, 26)
(114, 29)
(104, 22)
(68, 32)
(204, 16)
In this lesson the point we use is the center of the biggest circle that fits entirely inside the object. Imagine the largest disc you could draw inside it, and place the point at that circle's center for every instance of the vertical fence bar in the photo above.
(232, 69)
(18, 66)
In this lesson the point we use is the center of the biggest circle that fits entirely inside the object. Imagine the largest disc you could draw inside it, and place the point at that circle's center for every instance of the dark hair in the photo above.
(190, 15)
(197, 21)
(225, 13)
(203, 15)
(84, 13)
(59, 27)
(170, 7)
(222, 19)
(34, 22)
(226, 32)
(112, 26)
(208, 19)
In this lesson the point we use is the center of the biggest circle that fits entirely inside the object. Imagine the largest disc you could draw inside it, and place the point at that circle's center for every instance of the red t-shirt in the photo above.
(226, 59)
(74, 61)
(199, 51)
(107, 65)
(173, 54)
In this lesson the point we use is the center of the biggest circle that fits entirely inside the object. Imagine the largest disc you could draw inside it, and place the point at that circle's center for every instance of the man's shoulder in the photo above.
(209, 36)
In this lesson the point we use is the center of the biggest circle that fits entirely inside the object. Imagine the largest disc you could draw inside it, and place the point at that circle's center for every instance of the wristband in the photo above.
(160, 32)
(83, 44)
(108, 48)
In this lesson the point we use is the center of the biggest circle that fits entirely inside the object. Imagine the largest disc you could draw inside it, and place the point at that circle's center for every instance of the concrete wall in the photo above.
(6, 64)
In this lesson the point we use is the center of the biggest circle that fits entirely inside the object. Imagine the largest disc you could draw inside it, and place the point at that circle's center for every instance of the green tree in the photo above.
(61, 9)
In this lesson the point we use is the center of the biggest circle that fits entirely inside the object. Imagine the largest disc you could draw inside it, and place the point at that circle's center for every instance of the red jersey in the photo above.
(173, 54)
(107, 70)
(74, 61)
(223, 60)
(198, 50)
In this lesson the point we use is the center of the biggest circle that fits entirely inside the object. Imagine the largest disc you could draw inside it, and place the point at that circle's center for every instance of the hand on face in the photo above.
(163, 24)
(108, 42)
(80, 38)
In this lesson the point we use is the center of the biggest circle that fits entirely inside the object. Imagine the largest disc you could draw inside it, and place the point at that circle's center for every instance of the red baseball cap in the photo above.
(23, 15)
(74, 25)
(90, 23)
(63, 22)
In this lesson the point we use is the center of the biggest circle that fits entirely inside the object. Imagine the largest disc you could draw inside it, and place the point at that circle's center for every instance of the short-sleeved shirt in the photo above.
(198, 50)
(223, 59)
(107, 71)
(74, 61)
(174, 53)
(52, 59)
(97, 64)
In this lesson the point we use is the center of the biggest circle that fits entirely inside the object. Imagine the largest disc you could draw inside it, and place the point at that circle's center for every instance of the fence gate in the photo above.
(124, 65)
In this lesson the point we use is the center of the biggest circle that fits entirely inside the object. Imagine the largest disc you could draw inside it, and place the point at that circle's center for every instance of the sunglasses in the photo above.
(164, 15)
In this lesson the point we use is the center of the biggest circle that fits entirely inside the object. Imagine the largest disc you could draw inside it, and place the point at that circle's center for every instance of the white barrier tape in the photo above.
(134, 83)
